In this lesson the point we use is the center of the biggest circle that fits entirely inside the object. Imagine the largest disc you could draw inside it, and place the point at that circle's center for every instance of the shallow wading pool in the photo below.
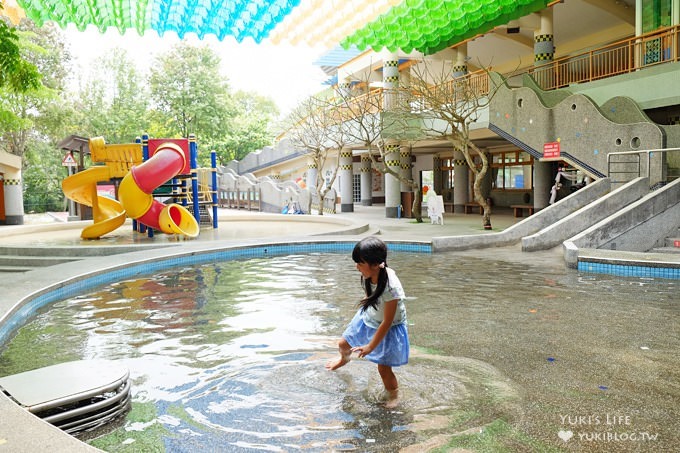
(229, 356)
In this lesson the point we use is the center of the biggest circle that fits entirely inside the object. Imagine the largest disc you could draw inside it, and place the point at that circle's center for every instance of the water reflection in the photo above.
(231, 356)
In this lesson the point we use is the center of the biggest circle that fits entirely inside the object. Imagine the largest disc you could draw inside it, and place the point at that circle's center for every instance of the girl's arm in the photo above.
(383, 328)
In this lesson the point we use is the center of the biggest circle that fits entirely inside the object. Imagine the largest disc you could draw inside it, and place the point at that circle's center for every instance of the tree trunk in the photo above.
(417, 207)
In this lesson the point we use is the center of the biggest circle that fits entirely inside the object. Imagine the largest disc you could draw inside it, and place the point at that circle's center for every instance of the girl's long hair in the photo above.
(371, 250)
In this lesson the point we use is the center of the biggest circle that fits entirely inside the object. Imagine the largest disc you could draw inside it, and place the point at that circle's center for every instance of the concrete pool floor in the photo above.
(21, 432)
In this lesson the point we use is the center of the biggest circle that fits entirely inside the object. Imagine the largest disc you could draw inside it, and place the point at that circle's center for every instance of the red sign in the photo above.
(551, 149)
(676, 243)
(69, 161)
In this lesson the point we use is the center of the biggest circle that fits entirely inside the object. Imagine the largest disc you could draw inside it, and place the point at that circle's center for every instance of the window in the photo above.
(447, 173)
(356, 189)
(655, 14)
(512, 170)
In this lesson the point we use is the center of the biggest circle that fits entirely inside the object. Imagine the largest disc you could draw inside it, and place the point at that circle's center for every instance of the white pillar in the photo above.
(460, 67)
(392, 185)
(366, 181)
(461, 182)
(346, 181)
(14, 199)
(543, 181)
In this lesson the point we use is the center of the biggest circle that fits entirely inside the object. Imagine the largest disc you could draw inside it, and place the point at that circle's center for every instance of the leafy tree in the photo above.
(250, 129)
(36, 112)
(16, 73)
(42, 179)
(190, 96)
(113, 100)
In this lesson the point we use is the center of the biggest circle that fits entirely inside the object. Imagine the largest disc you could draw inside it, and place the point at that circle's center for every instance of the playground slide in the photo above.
(136, 189)
(107, 213)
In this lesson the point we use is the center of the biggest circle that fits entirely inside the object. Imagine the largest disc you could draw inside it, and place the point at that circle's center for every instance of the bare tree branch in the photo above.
(317, 130)
(448, 106)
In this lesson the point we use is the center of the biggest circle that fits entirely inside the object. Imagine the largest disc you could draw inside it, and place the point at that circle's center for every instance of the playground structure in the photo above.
(142, 173)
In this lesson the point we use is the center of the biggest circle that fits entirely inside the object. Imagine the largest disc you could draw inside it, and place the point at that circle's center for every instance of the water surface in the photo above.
(508, 356)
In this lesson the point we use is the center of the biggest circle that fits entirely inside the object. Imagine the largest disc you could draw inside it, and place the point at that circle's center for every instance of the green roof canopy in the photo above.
(429, 26)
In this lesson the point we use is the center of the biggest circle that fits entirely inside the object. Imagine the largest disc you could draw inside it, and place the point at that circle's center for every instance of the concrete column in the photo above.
(14, 199)
(392, 185)
(392, 159)
(390, 80)
(460, 67)
(344, 89)
(544, 49)
(437, 174)
(312, 174)
(344, 86)
(461, 182)
(543, 182)
(406, 167)
(366, 181)
(346, 181)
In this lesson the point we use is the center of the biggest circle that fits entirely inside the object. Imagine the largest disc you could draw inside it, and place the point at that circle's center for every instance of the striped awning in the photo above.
(424, 25)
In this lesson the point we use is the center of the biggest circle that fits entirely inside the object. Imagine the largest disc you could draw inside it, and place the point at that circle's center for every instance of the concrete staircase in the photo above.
(20, 261)
(22, 258)
(670, 245)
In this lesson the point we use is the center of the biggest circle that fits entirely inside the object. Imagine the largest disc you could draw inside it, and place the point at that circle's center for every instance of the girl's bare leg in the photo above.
(391, 385)
(345, 352)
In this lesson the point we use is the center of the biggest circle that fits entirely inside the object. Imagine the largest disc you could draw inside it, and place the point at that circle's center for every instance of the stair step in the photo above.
(670, 250)
(33, 261)
(12, 269)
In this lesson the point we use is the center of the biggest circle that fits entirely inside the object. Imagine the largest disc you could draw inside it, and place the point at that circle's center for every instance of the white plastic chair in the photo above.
(435, 209)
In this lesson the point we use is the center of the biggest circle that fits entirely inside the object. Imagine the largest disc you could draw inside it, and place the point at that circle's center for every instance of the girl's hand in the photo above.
(363, 350)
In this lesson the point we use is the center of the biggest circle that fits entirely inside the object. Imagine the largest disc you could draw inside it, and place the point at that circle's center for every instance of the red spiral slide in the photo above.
(136, 189)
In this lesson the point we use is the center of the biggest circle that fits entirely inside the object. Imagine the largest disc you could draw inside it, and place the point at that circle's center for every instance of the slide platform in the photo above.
(107, 213)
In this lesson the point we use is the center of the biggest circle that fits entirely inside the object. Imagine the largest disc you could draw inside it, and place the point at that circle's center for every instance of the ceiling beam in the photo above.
(617, 8)
(519, 38)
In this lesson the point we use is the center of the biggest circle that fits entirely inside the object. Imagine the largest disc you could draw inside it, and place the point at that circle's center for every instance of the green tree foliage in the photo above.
(37, 113)
(190, 96)
(16, 73)
(183, 94)
(250, 129)
(113, 99)
(42, 179)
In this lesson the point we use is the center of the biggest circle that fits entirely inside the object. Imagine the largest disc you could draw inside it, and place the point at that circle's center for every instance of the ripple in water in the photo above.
(231, 356)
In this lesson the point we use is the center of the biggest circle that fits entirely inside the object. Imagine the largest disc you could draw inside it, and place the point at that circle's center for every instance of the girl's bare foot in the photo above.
(391, 398)
(334, 365)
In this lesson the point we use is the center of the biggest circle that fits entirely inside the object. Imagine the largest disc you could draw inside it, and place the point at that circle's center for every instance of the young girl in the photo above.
(378, 330)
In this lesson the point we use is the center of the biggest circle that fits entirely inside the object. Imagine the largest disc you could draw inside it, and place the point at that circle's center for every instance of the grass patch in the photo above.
(148, 439)
(498, 437)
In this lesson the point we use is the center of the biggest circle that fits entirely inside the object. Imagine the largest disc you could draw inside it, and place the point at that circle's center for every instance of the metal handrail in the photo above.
(638, 153)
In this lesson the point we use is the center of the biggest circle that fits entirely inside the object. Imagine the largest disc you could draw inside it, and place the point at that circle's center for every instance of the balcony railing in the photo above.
(620, 57)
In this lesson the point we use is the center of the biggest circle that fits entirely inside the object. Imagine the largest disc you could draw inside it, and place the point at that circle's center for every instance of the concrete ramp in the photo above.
(531, 225)
(572, 224)
(637, 227)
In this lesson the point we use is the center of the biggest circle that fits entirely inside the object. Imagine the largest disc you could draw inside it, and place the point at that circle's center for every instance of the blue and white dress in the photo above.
(394, 349)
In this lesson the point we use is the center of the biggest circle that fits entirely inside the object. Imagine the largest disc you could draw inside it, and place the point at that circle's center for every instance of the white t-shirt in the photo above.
(374, 316)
